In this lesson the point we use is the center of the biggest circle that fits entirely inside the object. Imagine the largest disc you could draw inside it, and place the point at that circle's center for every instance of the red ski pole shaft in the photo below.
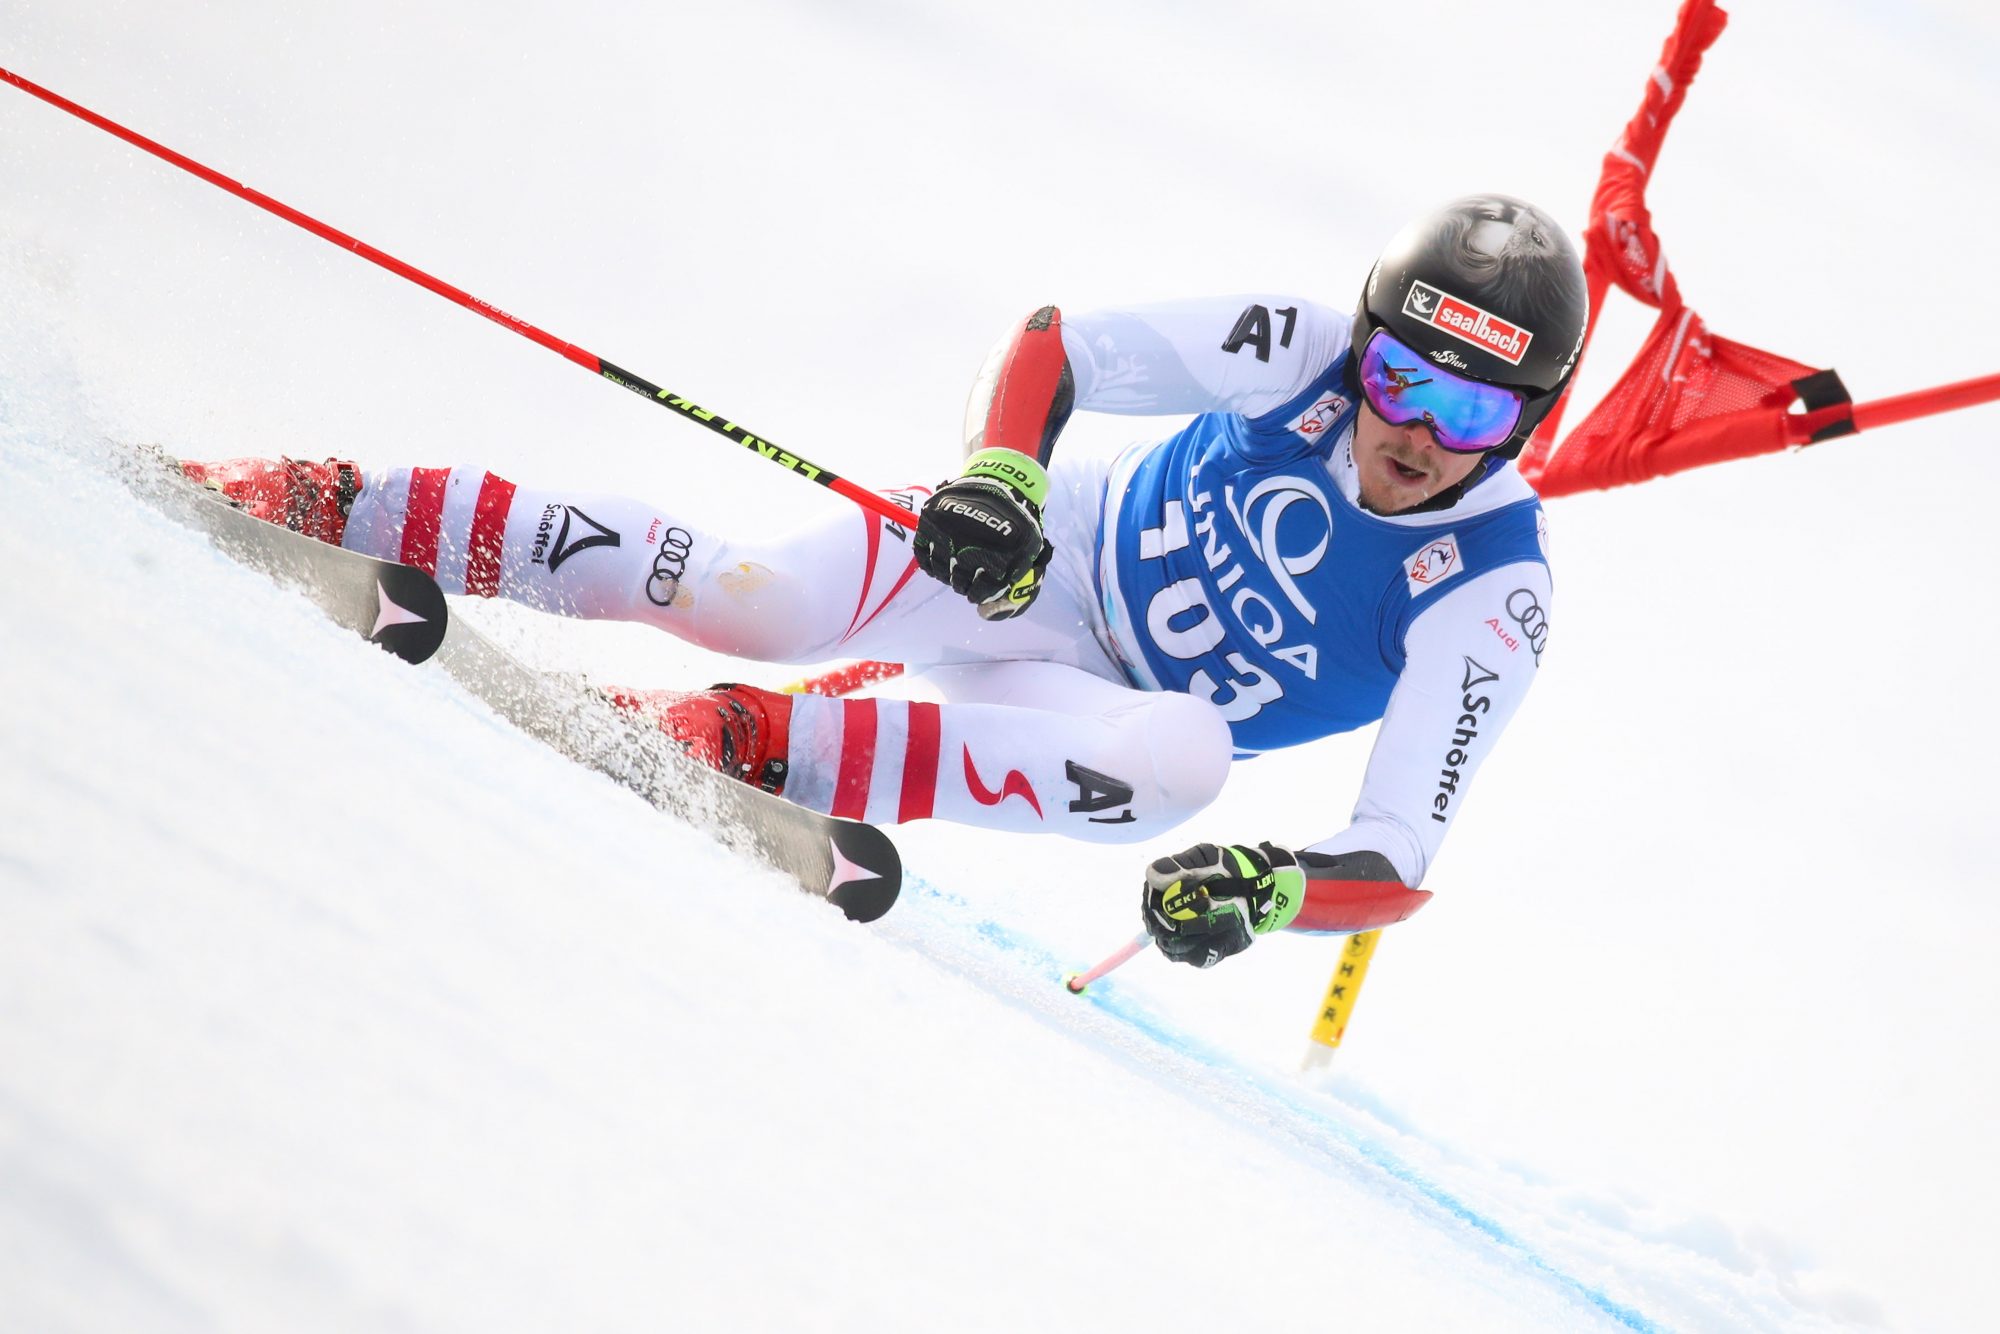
(625, 379)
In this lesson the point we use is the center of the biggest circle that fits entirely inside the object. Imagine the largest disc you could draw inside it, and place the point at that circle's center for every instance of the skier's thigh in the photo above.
(1128, 764)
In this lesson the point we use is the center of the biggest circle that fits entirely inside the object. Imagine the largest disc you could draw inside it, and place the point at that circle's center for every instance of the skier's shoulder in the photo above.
(1426, 556)
(1498, 521)
(1259, 323)
(1245, 353)
(1267, 327)
(1504, 499)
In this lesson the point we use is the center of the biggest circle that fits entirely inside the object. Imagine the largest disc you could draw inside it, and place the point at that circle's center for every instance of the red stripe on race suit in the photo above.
(874, 526)
(857, 758)
(424, 518)
(489, 530)
(884, 604)
(920, 764)
(915, 495)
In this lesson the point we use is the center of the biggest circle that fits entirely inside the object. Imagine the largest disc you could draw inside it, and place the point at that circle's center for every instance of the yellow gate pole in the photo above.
(1337, 1007)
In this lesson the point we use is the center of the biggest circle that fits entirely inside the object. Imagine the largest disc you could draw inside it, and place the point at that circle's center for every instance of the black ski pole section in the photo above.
(590, 361)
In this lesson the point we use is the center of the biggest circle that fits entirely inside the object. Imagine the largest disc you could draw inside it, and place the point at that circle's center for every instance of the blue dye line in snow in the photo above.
(1106, 998)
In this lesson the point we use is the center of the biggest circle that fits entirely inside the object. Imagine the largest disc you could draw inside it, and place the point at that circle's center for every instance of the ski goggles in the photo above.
(1464, 416)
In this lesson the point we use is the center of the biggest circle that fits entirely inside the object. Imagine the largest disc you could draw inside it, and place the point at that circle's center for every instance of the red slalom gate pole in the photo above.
(1806, 427)
(1924, 402)
(845, 680)
(625, 379)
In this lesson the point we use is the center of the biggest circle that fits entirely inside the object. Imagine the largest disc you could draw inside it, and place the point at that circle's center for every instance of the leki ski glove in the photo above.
(1210, 902)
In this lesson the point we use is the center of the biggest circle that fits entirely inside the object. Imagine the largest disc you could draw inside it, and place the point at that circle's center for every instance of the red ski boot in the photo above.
(309, 498)
(740, 730)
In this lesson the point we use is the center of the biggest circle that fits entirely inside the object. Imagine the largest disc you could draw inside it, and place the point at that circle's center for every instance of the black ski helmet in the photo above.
(1490, 288)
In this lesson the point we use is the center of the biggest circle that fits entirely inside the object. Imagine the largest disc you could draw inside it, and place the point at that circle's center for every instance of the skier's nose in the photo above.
(1418, 436)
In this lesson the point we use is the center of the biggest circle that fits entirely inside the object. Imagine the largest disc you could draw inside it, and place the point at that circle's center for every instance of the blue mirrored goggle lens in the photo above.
(1465, 416)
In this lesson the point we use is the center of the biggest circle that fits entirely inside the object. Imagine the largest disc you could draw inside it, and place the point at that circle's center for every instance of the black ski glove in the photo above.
(982, 534)
(1207, 903)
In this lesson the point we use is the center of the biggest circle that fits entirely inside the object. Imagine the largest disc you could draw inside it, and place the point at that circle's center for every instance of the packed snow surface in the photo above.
(330, 1001)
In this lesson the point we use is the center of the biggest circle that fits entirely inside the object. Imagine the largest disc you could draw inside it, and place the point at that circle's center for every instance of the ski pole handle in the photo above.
(590, 361)
(1076, 982)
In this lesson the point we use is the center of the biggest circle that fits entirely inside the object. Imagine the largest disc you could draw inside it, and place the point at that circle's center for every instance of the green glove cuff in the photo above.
(1288, 896)
(1278, 894)
(1015, 470)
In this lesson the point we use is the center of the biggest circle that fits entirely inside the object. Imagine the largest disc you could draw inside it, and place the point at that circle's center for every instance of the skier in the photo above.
(1339, 536)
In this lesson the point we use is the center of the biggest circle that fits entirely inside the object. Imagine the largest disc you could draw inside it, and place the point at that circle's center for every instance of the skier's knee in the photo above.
(1177, 767)
(1191, 752)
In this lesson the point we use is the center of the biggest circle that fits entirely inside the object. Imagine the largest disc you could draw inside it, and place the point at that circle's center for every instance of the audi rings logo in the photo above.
(669, 564)
(1534, 622)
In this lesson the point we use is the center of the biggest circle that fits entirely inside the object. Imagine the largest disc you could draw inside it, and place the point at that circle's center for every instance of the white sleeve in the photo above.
(1246, 354)
(1470, 659)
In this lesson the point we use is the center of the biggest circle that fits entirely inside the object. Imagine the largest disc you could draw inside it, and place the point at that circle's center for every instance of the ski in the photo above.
(852, 865)
(397, 607)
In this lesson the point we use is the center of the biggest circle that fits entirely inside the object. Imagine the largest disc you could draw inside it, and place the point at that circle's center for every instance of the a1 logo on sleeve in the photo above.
(1433, 563)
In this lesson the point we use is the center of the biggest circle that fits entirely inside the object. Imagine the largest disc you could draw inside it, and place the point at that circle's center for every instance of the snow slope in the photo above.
(326, 1000)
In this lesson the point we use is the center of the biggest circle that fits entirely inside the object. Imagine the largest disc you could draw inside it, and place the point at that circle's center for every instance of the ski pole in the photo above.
(1076, 982)
(625, 379)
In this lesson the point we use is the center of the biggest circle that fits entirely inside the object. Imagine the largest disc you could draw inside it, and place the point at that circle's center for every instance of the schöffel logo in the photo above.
(1462, 319)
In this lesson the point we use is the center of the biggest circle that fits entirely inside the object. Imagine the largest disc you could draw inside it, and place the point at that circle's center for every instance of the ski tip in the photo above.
(411, 616)
(865, 901)
(867, 871)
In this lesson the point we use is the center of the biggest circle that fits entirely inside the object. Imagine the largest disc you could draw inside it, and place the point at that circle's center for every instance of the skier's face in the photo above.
(1403, 466)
